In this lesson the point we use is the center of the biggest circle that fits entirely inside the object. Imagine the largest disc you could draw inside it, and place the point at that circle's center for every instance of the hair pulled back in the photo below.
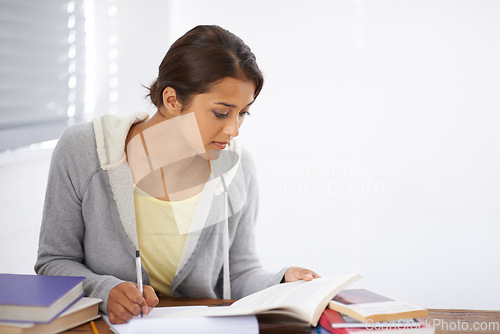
(199, 59)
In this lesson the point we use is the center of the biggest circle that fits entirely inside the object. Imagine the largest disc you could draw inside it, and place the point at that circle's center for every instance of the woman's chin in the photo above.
(212, 154)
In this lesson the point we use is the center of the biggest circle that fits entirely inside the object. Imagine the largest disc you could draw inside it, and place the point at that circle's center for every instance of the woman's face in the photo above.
(221, 111)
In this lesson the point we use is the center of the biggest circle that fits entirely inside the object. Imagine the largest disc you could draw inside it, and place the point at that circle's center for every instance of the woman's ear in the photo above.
(172, 105)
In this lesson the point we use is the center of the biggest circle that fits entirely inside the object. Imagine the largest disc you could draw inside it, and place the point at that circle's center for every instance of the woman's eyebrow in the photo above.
(229, 105)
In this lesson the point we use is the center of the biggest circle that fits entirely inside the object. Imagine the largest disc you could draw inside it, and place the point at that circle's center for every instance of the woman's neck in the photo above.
(163, 163)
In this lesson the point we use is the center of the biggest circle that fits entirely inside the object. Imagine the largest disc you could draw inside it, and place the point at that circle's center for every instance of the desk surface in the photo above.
(445, 321)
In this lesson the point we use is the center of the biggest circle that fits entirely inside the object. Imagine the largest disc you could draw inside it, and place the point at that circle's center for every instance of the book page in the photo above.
(215, 325)
(81, 304)
(352, 323)
(78, 306)
(368, 303)
(383, 308)
(157, 322)
(299, 295)
(157, 312)
(305, 300)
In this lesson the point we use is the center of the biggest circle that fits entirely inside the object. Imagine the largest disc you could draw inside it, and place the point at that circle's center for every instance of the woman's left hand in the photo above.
(297, 273)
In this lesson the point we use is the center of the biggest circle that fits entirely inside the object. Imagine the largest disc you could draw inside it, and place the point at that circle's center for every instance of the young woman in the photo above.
(175, 186)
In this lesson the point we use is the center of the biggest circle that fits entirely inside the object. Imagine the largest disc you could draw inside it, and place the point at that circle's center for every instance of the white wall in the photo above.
(23, 179)
(376, 136)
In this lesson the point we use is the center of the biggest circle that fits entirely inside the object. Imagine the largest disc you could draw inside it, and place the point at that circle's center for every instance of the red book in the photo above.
(338, 323)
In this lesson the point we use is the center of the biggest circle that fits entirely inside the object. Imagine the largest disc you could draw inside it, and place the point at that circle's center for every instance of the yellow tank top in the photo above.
(162, 229)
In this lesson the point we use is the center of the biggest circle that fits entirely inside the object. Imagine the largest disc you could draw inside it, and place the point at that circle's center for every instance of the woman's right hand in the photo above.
(125, 301)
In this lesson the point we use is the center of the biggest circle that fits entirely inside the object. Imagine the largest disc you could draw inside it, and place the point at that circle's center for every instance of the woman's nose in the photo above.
(232, 127)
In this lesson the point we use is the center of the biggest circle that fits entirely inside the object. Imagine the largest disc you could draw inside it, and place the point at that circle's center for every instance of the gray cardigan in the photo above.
(88, 225)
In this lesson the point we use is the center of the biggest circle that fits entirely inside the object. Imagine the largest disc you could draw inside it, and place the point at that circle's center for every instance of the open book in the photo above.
(301, 300)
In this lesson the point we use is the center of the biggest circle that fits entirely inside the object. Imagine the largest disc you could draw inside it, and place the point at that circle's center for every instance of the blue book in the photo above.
(37, 298)
(320, 330)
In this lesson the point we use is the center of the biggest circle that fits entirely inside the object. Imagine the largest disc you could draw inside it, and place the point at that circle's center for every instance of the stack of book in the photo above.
(43, 304)
(363, 311)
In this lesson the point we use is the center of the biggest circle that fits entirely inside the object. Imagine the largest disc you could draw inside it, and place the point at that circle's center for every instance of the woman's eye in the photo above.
(219, 115)
(245, 113)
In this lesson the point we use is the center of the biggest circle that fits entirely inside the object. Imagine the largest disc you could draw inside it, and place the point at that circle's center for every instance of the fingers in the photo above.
(136, 301)
(119, 315)
(309, 275)
(124, 302)
(151, 298)
(297, 273)
(306, 274)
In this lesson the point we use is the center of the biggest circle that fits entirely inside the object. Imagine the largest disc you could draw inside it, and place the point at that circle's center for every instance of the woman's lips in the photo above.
(220, 144)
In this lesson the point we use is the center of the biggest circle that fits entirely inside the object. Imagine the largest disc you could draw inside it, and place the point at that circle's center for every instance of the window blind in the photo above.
(42, 69)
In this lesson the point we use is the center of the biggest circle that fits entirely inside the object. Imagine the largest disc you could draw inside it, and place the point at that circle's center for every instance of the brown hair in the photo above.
(200, 58)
